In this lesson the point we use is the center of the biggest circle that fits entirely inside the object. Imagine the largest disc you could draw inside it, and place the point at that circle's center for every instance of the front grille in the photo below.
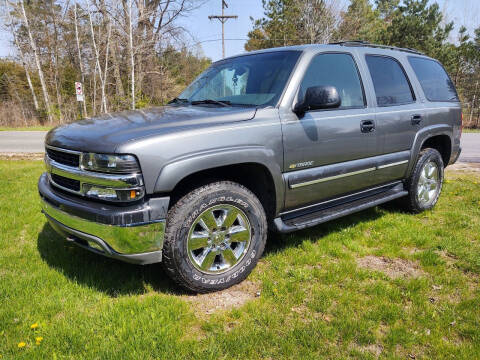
(64, 157)
(67, 183)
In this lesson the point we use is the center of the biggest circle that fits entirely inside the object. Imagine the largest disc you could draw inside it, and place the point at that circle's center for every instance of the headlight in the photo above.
(110, 163)
(112, 194)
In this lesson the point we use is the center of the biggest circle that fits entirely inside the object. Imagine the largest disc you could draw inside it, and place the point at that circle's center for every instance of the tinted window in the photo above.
(337, 70)
(436, 83)
(390, 82)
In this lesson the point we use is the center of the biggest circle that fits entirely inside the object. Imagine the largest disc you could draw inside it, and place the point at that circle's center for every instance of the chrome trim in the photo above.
(339, 198)
(131, 181)
(116, 181)
(63, 150)
(352, 173)
(392, 164)
(62, 187)
(131, 239)
(316, 181)
(82, 192)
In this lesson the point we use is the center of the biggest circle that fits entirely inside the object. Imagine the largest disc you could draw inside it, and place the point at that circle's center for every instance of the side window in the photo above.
(389, 80)
(337, 70)
(436, 83)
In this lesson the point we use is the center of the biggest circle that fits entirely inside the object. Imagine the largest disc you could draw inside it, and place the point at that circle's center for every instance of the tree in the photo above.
(37, 62)
(289, 22)
(277, 28)
(386, 9)
(125, 43)
(21, 55)
(416, 24)
(360, 22)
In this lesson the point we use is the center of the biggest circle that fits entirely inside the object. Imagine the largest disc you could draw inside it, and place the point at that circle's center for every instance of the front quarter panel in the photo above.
(167, 159)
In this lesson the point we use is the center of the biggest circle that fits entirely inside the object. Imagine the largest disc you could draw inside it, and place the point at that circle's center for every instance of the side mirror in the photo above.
(318, 97)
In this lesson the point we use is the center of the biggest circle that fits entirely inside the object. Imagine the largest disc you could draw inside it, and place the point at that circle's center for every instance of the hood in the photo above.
(105, 133)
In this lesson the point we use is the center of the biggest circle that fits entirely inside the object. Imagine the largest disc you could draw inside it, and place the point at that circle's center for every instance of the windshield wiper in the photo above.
(178, 101)
(211, 101)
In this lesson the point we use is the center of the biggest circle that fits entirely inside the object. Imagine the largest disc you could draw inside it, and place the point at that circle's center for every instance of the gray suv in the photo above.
(280, 139)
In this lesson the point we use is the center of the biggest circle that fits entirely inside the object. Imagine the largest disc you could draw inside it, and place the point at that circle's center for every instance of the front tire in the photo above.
(425, 184)
(215, 235)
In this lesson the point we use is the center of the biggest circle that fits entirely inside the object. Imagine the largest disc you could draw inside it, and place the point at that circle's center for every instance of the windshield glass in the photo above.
(256, 79)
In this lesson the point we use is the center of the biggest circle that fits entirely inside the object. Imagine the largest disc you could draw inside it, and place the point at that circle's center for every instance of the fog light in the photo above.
(111, 194)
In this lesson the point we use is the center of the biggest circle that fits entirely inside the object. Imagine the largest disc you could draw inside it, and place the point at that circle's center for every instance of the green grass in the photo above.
(471, 130)
(315, 301)
(28, 128)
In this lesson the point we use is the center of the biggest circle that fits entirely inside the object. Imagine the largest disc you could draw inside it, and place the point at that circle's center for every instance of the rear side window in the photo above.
(389, 80)
(338, 70)
(436, 83)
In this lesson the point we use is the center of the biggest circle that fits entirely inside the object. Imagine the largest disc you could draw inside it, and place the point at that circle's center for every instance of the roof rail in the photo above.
(367, 44)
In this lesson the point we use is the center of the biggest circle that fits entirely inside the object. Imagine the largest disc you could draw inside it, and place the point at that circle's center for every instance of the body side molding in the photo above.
(319, 174)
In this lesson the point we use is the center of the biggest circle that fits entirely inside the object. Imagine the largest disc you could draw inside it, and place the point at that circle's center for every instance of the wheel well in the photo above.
(442, 144)
(253, 176)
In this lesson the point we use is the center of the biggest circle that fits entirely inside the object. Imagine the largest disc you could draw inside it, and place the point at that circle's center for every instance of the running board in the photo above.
(291, 223)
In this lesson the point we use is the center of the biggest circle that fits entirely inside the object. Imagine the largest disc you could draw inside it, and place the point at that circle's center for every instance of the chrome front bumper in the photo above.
(133, 233)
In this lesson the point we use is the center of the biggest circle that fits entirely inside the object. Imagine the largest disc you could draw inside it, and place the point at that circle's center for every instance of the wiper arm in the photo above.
(178, 101)
(211, 101)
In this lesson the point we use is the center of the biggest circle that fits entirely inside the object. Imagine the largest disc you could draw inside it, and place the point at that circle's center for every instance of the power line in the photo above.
(223, 19)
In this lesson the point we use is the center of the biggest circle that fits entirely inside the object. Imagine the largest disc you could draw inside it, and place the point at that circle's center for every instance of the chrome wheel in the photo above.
(429, 183)
(218, 239)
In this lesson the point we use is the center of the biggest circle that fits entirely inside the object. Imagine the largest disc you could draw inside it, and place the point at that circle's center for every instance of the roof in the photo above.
(331, 46)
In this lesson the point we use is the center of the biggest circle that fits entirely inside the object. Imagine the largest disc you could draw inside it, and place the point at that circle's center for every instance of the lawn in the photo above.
(27, 128)
(378, 283)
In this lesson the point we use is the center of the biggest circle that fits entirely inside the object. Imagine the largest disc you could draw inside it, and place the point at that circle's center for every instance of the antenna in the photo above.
(223, 19)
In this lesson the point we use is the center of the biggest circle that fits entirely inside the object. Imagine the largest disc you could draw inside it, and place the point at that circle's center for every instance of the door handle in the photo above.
(416, 119)
(367, 126)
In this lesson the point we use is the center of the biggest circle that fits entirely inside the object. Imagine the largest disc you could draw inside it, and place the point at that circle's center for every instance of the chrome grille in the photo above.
(66, 183)
(63, 157)
(65, 172)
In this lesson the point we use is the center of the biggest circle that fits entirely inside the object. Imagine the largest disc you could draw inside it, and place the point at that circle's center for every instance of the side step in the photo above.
(286, 224)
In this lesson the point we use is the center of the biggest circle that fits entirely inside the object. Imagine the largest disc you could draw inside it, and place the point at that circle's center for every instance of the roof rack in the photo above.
(367, 44)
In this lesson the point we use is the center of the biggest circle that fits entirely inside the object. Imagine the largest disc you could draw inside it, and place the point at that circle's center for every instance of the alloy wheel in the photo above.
(429, 183)
(218, 239)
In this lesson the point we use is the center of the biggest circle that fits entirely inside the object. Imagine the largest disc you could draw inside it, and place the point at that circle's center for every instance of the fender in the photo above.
(422, 136)
(174, 171)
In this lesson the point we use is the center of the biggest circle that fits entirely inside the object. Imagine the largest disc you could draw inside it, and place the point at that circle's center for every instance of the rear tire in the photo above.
(425, 183)
(214, 237)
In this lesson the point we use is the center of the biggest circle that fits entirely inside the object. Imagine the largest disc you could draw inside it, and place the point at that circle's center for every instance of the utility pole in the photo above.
(223, 19)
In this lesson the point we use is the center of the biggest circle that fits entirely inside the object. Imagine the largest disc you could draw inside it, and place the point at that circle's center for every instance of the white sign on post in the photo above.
(79, 91)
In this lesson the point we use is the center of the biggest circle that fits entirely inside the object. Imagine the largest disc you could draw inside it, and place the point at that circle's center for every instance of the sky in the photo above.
(208, 32)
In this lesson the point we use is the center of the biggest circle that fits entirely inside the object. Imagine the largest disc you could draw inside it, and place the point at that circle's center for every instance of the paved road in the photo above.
(22, 141)
(32, 142)
(470, 147)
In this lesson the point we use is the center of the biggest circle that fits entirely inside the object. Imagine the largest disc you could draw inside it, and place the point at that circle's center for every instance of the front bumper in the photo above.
(130, 233)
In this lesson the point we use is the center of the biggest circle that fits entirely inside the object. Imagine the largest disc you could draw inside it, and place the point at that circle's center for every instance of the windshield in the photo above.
(256, 79)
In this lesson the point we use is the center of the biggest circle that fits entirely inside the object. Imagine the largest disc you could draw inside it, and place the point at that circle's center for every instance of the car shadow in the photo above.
(112, 277)
(278, 242)
(117, 278)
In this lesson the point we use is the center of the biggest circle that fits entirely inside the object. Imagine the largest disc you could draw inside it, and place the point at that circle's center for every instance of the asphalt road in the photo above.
(22, 141)
(32, 142)
(470, 148)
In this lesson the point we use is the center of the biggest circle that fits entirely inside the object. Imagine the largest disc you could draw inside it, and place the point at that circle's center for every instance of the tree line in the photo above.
(127, 54)
(416, 24)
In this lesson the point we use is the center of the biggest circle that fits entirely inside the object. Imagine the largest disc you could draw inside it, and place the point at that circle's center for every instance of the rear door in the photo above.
(443, 105)
(398, 116)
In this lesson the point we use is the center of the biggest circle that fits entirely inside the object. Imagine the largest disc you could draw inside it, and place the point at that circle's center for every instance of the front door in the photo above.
(328, 152)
